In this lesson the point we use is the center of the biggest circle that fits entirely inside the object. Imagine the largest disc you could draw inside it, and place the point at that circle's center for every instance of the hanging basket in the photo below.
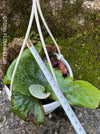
(48, 108)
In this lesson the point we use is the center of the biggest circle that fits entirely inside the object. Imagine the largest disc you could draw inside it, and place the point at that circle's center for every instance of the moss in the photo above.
(34, 36)
(63, 24)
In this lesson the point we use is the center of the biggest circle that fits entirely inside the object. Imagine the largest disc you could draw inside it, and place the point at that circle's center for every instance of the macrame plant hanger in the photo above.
(47, 108)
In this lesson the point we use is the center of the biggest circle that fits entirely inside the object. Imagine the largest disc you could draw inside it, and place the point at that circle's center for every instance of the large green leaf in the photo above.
(84, 94)
(27, 107)
(28, 72)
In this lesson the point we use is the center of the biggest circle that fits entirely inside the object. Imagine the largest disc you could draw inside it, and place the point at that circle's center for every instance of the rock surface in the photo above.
(92, 5)
(55, 123)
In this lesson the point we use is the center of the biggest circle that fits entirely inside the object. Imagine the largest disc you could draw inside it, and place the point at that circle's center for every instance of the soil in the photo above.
(55, 123)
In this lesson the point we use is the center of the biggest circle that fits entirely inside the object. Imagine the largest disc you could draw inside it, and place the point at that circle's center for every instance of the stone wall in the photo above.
(55, 5)
(18, 13)
(4, 8)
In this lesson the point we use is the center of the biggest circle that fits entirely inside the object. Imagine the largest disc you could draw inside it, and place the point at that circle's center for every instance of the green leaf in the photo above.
(84, 94)
(27, 107)
(28, 72)
(38, 91)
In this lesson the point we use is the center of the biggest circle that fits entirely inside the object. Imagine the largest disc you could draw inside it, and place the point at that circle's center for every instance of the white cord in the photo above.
(59, 57)
(46, 26)
(23, 46)
(43, 43)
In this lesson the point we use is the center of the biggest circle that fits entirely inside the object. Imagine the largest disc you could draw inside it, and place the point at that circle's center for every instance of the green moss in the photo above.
(34, 36)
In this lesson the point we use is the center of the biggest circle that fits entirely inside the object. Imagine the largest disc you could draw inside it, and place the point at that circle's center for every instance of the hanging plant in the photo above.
(26, 101)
